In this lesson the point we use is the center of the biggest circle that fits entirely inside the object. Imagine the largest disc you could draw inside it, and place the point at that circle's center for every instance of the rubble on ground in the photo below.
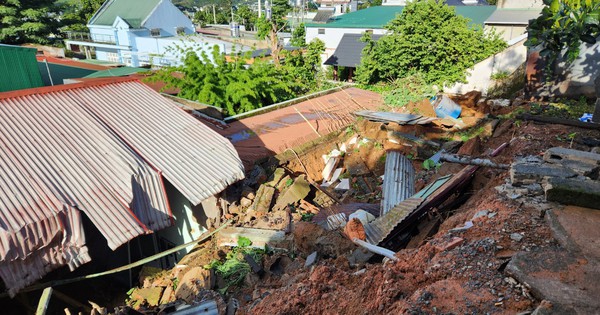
(470, 239)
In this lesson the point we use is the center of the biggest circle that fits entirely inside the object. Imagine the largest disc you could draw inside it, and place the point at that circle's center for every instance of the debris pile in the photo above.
(402, 215)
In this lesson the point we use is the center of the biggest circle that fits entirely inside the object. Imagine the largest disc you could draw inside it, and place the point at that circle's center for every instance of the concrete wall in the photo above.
(168, 18)
(577, 79)
(479, 78)
(189, 219)
(507, 32)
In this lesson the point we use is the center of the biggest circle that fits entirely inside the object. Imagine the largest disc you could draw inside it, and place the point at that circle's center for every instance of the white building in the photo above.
(141, 32)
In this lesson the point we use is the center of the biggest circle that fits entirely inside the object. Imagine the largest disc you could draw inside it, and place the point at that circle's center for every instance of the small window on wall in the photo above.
(155, 32)
(369, 31)
(180, 30)
(321, 31)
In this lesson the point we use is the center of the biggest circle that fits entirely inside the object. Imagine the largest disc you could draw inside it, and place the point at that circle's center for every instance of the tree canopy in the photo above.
(561, 28)
(76, 13)
(26, 21)
(429, 39)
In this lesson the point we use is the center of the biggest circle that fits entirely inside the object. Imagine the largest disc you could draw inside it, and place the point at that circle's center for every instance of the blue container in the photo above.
(445, 107)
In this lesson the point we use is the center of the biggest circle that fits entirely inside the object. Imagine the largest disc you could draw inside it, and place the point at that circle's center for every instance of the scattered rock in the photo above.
(453, 243)
(192, 282)
(151, 295)
(310, 260)
(516, 237)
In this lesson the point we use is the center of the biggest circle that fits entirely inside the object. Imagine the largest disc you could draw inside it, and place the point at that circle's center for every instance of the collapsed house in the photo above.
(115, 153)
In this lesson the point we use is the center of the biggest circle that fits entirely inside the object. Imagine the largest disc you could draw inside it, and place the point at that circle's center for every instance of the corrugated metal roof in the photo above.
(349, 51)
(379, 229)
(399, 180)
(93, 148)
(513, 16)
(19, 68)
(134, 12)
(195, 159)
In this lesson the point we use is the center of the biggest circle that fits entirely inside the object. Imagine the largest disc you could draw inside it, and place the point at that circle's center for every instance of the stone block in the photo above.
(578, 192)
(525, 172)
(276, 177)
(150, 295)
(558, 154)
(264, 199)
(296, 192)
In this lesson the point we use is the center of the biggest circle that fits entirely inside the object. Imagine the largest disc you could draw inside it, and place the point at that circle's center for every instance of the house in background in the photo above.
(19, 68)
(88, 168)
(140, 33)
(339, 6)
(347, 55)
(373, 20)
(512, 17)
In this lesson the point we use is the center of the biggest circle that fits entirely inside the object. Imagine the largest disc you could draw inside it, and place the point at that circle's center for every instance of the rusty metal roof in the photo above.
(100, 149)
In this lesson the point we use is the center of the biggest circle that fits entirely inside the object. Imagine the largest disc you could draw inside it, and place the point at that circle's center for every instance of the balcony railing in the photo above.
(93, 38)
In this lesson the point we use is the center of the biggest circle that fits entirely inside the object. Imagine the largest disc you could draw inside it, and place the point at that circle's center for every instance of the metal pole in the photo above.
(49, 74)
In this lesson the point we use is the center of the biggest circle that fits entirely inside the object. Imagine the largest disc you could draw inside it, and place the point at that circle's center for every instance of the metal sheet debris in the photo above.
(399, 180)
(399, 118)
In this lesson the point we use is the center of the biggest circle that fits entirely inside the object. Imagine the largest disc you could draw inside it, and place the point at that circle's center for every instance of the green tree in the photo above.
(248, 16)
(427, 38)
(26, 21)
(268, 29)
(234, 86)
(77, 13)
(561, 28)
(304, 66)
(299, 36)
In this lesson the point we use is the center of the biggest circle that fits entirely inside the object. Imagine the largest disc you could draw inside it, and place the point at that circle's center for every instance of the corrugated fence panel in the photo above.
(398, 180)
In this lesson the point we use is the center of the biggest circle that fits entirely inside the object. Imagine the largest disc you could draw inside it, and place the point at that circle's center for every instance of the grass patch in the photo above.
(235, 268)
(563, 108)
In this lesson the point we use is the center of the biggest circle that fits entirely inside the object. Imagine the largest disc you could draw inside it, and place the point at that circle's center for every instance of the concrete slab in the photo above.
(296, 192)
(567, 277)
(525, 173)
(568, 191)
(558, 154)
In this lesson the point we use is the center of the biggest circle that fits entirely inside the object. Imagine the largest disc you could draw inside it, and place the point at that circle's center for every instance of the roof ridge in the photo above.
(65, 87)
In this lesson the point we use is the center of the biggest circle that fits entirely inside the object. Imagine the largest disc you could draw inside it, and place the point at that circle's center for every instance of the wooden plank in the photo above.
(560, 121)
(44, 301)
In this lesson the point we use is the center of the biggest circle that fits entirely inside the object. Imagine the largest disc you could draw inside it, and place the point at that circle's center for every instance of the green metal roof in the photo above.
(60, 72)
(116, 72)
(132, 11)
(379, 16)
(19, 68)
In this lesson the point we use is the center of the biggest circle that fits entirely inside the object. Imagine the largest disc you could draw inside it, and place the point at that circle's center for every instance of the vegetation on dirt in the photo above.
(235, 268)
(238, 87)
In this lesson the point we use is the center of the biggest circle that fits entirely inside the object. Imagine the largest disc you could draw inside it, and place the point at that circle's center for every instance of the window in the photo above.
(180, 30)
(321, 31)
(369, 31)
(112, 57)
(155, 32)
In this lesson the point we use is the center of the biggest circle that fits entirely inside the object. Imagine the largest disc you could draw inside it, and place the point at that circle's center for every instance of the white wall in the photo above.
(333, 36)
(578, 77)
(479, 78)
(167, 17)
(520, 4)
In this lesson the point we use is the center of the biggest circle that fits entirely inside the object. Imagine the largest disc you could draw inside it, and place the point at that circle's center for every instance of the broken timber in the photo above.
(467, 160)
(560, 121)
